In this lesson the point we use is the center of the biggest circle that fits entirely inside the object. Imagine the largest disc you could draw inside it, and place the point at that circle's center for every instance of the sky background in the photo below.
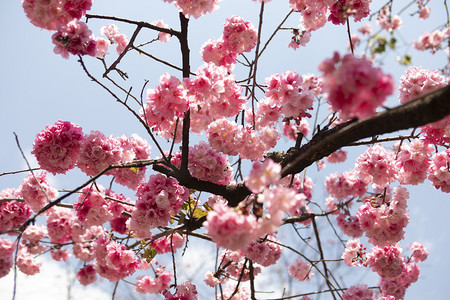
(39, 87)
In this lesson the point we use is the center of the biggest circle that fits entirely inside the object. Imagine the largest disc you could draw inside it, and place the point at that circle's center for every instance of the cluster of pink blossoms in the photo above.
(354, 88)
(238, 36)
(61, 146)
(354, 253)
(439, 171)
(384, 223)
(265, 252)
(146, 284)
(48, 14)
(12, 213)
(158, 199)
(6, 256)
(113, 35)
(36, 191)
(413, 161)
(74, 38)
(205, 163)
(184, 291)
(417, 82)
(232, 139)
(358, 292)
(166, 102)
(87, 275)
(341, 10)
(432, 41)
(287, 92)
(345, 185)
(387, 21)
(59, 225)
(98, 152)
(195, 9)
(57, 147)
(92, 207)
(230, 228)
(262, 175)
(387, 261)
(376, 166)
(113, 260)
(165, 244)
(216, 95)
(301, 270)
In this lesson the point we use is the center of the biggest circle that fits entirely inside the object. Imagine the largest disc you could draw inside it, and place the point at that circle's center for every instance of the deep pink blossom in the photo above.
(57, 147)
(158, 199)
(7, 248)
(343, 9)
(87, 275)
(74, 38)
(12, 213)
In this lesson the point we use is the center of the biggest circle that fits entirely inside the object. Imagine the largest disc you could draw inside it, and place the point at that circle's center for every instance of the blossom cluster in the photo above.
(353, 87)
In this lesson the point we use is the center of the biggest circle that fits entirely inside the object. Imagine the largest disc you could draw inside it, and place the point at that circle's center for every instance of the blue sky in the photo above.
(39, 87)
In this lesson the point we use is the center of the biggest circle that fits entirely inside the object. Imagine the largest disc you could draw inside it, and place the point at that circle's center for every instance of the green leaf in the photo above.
(149, 254)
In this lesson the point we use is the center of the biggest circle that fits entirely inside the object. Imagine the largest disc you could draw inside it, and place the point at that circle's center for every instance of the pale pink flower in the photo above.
(185, 291)
(376, 166)
(418, 82)
(387, 261)
(358, 292)
(153, 285)
(230, 228)
(26, 263)
(354, 253)
(439, 171)
(162, 36)
(265, 253)
(419, 252)
(262, 175)
(59, 224)
(169, 243)
(238, 35)
(300, 270)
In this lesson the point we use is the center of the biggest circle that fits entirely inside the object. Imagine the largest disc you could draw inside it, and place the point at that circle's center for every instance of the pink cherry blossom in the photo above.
(184, 291)
(353, 87)
(439, 171)
(12, 213)
(419, 252)
(162, 36)
(345, 185)
(153, 285)
(262, 175)
(418, 81)
(230, 228)
(57, 147)
(113, 260)
(87, 275)
(387, 261)
(92, 207)
(354, 253)
(158, 199)
(101, 45)
(36, 191)
(384, 223)
(97, 152)
(59, 223)
(343, 9)
(300, 270)
(167, 101)
(376, 166)
(215, 51)
(431, 41)
(387, 21)
(413, 161)
(74, 38)
(26, 263)
(265, 252)
(166, 244)
(238, 35)
(7, 248)
(358, 292)
(337, 156)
